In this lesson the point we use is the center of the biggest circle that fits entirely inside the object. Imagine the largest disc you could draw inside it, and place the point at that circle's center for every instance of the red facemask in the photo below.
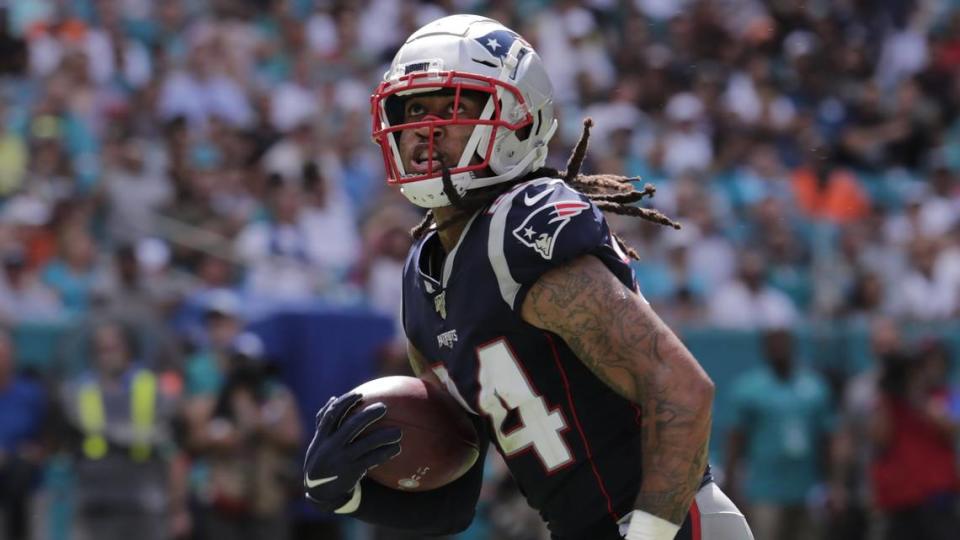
(388, 117)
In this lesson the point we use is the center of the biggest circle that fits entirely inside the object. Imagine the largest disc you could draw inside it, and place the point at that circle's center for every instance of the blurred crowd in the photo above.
(169, 170)
(872, 458)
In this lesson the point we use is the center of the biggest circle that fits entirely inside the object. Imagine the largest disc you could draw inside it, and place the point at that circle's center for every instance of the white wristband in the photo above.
(646, 526)
(352, 504)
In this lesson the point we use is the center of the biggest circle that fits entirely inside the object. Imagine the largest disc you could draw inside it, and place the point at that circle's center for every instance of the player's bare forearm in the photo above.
(617, 335)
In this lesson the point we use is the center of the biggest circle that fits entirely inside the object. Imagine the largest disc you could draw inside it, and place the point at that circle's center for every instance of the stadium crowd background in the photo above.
(172, 171)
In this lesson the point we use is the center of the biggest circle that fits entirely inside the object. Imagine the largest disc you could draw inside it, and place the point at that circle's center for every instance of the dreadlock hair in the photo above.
(611, 193)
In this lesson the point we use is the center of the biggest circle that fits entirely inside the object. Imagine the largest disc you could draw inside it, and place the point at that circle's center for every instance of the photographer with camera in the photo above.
(914, 469)
(243, 432)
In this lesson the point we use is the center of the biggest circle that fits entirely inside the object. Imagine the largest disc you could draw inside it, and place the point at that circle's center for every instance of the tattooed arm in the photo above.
(619, 337)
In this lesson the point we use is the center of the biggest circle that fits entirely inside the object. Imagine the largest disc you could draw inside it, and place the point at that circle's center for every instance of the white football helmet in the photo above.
(467, 53)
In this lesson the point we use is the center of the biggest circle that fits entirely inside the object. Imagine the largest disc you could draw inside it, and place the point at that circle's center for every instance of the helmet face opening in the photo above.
(387, 108)
(485, 112)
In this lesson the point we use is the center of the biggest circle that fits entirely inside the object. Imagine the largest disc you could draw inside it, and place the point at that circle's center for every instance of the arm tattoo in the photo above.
(622, 341)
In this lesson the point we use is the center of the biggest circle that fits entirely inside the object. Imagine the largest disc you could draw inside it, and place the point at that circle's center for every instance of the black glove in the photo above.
(338, 457)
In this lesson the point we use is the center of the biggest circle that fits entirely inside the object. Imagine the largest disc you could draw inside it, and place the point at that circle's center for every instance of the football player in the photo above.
(520, 301)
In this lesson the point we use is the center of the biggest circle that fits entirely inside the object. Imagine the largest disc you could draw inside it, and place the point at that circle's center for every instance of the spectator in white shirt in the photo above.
(23, 297)
(748, 302)
(712, 253)
(302, 159)
(924, 295)
(903, 54)
(133, 192)
(203, 91)
(293, 103)
(572, 51)
(328, 209)
(292, 255)
(940, 212)
(686, 144)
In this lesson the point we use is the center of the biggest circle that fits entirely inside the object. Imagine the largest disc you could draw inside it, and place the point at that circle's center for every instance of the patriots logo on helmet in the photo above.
(498, 42)
(542, 227)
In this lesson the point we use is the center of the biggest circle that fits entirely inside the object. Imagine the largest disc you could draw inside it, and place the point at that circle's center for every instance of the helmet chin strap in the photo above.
(465, 181)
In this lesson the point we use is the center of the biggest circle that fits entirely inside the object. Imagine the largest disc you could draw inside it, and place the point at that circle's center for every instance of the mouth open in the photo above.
(423, 163)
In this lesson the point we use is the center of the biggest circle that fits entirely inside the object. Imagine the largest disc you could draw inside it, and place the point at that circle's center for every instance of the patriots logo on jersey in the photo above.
(542, 227)
(447, 339)
(498, 42)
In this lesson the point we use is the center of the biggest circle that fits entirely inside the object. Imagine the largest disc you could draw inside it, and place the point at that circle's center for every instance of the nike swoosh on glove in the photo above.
(342, 450)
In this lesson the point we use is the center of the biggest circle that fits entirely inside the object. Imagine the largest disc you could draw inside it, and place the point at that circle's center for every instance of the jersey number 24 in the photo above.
(504, 387)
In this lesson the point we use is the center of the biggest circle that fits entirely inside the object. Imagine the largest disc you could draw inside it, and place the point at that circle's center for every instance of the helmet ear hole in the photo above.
(534, 127)
(524, 132)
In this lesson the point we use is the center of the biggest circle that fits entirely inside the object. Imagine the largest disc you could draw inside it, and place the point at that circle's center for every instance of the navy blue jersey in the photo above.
(572, 443)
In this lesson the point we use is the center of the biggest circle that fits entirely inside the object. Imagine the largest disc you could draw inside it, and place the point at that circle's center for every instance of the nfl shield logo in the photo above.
(440, 304)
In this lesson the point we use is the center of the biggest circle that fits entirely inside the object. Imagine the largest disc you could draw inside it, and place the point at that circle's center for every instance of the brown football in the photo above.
(439, 441)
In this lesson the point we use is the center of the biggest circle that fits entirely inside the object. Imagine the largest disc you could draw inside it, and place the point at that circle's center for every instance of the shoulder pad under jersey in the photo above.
(537, 226)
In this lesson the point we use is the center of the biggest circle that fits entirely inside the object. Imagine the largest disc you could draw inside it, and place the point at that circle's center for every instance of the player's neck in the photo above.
(449, 235)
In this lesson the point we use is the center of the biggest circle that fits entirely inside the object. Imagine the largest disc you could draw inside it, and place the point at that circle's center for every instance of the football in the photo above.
(439, 441)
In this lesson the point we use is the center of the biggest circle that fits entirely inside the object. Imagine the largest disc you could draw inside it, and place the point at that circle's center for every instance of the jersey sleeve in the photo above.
(541, 225)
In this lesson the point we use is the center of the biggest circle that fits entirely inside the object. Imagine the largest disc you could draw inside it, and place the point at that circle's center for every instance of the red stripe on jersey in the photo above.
(583, 438)
(695, 521)
(570, 208)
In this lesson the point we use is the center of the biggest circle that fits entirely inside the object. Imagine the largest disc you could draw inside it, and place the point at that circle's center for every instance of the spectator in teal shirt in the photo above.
(783, 421)
(75, 275)
(205, 369)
